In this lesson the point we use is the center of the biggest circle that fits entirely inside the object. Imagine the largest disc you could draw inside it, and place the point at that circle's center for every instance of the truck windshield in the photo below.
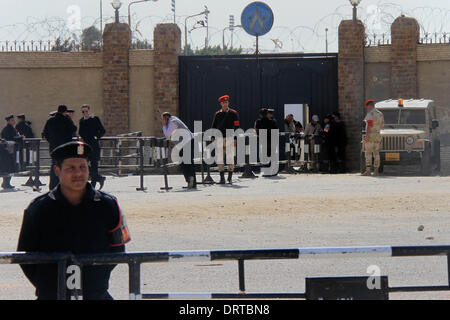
(412, 117)
(390, 116)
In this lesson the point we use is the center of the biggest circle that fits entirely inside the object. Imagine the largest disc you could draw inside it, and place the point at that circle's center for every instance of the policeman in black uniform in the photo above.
(23, 127)
(341, 142)
(91, 130)
(58, 130)
(73, 218)
(268, 123)
(9, 133)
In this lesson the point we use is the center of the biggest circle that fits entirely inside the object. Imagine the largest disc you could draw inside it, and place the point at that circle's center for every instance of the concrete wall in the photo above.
(378, 73)
(127, 89)
(142, 107)
(433, 62)
(35, 83)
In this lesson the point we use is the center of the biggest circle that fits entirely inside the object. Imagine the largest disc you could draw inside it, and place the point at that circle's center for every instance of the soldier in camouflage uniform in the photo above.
(372, 141)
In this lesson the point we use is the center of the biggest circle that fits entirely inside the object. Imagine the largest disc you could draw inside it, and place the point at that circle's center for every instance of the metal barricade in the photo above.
(134, 154)
(136, 259)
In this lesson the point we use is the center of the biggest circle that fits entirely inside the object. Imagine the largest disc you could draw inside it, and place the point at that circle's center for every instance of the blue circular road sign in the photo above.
(257, 19)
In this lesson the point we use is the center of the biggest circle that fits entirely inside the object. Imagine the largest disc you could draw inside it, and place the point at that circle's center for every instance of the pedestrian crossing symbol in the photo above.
(257, 19)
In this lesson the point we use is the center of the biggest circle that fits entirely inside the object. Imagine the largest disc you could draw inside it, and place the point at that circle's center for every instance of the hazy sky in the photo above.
(299, 25)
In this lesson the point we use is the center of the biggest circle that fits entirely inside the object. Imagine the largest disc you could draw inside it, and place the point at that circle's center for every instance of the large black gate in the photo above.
(254, 82)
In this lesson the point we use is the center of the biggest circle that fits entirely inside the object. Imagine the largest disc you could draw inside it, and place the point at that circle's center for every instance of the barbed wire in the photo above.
(434, 26)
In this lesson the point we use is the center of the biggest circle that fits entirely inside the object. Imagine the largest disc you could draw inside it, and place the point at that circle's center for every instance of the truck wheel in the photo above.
(425, 164)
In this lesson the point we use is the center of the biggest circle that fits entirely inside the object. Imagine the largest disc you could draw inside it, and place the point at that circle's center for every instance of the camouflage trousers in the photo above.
(372, 149)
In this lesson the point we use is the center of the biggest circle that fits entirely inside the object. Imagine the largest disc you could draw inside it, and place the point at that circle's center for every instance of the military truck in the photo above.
(409, 135)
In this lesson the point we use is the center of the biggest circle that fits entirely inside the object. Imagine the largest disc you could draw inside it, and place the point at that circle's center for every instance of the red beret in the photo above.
(224, 98)
(369, 102)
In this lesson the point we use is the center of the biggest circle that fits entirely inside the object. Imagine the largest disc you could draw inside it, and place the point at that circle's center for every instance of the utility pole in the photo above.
(232, 28)
(207, 27)
(206, 12)
(101, 22)
(174, 11)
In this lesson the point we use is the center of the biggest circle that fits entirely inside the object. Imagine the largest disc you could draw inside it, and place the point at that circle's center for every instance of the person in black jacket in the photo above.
(268, 123)
(73, 218)
(9, 133)
(226, 119)
(328, 152)
(58, 130)
(23, 127)
(91, 130)
(341, 142)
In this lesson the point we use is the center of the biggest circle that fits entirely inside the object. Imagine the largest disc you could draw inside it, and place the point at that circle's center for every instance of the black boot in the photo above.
(192, 184)
(230, 177)
(6, 183)
(222, 178)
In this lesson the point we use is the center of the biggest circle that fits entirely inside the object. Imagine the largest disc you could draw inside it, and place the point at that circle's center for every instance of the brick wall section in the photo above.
(116, 46)
(141, 58)
(433, 52)
(405, 34)
(351, 85)
(381, 54)
(50, 60)
(167, 39)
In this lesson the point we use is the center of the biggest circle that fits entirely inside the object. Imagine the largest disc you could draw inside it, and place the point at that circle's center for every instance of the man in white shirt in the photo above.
(170, 125)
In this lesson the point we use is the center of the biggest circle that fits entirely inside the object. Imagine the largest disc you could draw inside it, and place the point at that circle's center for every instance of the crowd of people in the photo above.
(58, 130)
(330, 135)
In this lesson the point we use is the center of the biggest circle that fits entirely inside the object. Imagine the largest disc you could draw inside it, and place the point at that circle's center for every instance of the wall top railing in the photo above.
(62, 46)
(384, 39)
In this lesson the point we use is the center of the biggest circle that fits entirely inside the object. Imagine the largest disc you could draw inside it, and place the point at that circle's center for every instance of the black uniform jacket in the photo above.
(52, 224)
(226, 120)
(9, 133)
(7, 160)
(91, 130)
(24, 129)
(341, 134)
(59, 130)
(266, 123)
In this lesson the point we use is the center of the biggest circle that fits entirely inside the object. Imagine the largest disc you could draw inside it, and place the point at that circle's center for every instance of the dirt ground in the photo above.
(289, 211)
